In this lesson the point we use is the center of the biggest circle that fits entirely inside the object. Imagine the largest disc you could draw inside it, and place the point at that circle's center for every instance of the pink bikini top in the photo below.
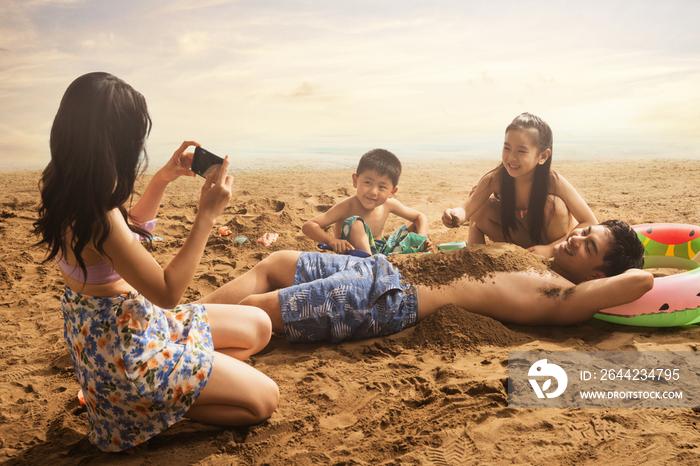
(100, 272)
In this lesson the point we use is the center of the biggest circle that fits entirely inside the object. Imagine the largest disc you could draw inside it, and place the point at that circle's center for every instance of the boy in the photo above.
(359, 220)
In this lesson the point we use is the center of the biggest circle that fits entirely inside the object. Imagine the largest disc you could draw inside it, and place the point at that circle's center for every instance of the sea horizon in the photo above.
(265, 159)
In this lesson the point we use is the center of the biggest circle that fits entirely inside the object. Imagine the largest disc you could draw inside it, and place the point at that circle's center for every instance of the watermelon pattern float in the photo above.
(675, 299)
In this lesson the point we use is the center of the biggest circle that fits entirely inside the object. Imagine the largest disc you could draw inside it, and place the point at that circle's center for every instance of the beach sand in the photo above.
(431, 395)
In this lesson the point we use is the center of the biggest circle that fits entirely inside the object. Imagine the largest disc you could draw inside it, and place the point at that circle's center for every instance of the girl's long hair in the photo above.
(540, 183)
(97, 139)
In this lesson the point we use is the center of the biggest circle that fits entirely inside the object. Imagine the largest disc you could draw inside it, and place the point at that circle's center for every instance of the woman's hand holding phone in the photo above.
(216, 192)
(180, 163)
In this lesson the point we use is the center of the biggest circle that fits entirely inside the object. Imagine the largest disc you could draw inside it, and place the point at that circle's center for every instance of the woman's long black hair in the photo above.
(96, 142)
(540, 183)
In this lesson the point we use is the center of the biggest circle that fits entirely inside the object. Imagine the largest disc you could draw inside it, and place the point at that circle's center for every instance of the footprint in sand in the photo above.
(338, 421)
(456, 450)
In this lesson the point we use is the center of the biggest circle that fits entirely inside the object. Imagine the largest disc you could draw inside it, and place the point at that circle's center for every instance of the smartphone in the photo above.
(204, 162)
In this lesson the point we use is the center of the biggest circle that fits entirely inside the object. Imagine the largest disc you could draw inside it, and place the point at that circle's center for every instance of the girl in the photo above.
(522, 201)
(140, 367)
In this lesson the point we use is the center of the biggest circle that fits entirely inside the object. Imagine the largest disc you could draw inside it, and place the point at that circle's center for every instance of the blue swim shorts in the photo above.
(341, 297)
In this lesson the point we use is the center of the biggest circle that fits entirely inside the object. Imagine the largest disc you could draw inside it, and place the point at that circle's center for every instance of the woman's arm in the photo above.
(165, 286)
(179, 165)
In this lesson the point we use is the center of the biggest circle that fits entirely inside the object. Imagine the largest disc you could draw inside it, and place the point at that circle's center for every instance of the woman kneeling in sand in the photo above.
(141, 367)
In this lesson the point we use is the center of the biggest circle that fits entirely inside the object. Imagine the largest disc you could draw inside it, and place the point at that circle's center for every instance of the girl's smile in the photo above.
(520, 155)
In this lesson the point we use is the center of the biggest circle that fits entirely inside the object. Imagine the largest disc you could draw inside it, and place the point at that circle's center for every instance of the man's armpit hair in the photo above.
(557, 292)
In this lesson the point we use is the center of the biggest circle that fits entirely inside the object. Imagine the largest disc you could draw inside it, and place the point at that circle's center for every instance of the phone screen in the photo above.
(204, 162)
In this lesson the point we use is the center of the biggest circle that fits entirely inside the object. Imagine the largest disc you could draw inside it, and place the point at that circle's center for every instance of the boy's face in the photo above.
(373, 189)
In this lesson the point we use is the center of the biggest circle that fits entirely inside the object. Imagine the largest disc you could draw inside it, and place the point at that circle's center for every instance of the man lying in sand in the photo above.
(314, 296)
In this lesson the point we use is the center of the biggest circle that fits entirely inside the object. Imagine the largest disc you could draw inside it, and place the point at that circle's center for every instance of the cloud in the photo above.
(299, 74)
(193, 43)
(305, 89)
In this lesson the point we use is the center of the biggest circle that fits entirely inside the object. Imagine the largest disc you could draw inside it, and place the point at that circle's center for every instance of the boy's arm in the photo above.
(476, 199)
(315, 228)
(419, 219)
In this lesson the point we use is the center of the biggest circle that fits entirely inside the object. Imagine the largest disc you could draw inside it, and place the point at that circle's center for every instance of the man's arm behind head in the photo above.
(624, 280)
(587, 298)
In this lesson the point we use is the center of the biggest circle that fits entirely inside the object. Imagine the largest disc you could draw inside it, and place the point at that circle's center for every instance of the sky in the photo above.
(325, 81)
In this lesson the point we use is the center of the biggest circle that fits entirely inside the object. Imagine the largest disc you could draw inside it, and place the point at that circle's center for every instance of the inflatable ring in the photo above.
(675, 299)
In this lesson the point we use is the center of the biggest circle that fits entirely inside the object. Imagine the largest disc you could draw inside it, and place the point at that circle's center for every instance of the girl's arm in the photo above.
(477, 199)
(576, 206)
(165, 286)
(315, 228)
(179, 165)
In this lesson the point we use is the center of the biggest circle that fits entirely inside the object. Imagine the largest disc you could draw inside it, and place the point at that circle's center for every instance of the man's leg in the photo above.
(338, 298)
(313, 268)
(258, 287)
(270, 303)
(274, 272)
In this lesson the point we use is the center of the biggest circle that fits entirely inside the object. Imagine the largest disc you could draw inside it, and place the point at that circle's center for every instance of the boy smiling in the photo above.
(359, 220)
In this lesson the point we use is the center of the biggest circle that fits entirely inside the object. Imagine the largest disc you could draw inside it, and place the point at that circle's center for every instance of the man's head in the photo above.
(376, 177)
(599, 251)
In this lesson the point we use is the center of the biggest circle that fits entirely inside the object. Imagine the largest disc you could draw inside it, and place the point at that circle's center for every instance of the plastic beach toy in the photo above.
(412, 243)
(268, 238)
(354, 252)
(675, 299)
(452, 246)
(223, 231)
(241, 240)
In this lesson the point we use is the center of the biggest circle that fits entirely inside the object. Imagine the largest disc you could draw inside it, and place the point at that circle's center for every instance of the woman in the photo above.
(141, 366)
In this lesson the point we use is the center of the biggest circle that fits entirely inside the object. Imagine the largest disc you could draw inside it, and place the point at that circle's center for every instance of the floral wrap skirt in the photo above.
(140, 367)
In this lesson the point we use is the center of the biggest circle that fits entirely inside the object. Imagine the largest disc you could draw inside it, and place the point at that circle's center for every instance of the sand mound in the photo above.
(453, 327)
(476, 261)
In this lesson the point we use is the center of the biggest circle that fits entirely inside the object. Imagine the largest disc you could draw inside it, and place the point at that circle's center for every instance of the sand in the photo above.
(431, 395)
